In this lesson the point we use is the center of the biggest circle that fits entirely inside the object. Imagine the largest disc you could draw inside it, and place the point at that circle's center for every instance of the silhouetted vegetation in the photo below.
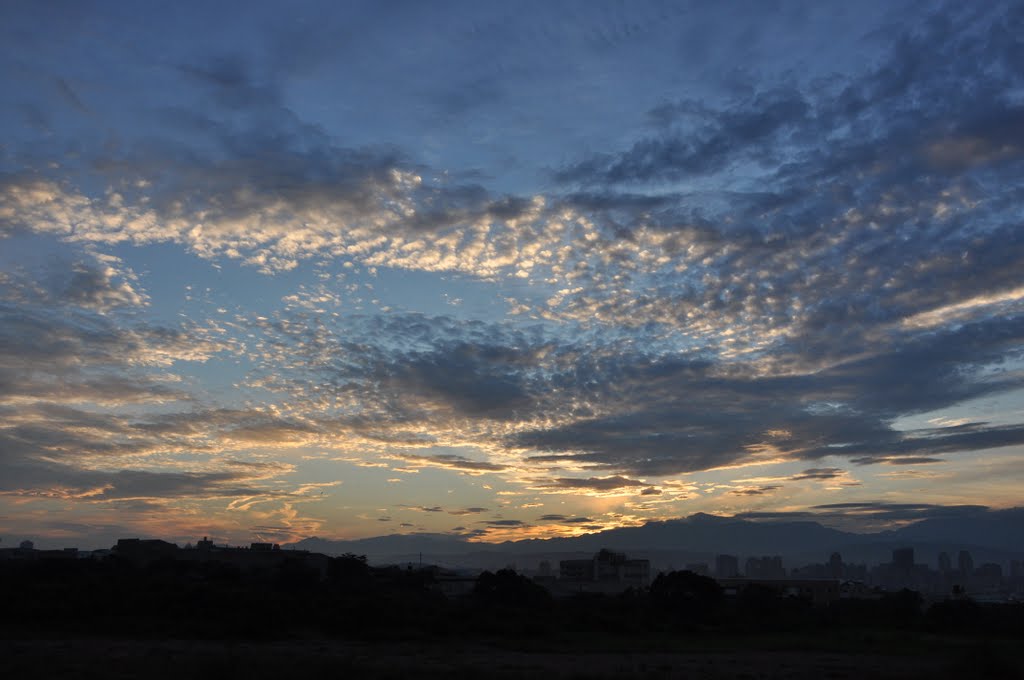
(686, 597)
(115, 598)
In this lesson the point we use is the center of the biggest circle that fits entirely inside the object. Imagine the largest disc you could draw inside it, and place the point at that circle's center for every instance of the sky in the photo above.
(505, 270)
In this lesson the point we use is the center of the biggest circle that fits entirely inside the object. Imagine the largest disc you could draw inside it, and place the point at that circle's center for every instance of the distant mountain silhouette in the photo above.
(702, 534)
(393, 544)
(996, 529)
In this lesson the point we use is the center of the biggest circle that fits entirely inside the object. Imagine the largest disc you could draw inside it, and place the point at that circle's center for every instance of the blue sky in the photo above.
(506, 270)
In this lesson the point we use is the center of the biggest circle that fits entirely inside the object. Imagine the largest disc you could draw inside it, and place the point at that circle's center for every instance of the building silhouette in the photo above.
(764, 567)
(258, 557)
(965, 564)
(816, 591)
(835, 565)
(903, 559)
(606, 571)
(727, 566)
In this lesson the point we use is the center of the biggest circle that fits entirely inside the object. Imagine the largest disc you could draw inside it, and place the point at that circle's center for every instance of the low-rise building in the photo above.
(606, 571)
(818, 591)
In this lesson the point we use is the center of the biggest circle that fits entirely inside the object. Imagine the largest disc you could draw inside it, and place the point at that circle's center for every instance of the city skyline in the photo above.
(506, 271)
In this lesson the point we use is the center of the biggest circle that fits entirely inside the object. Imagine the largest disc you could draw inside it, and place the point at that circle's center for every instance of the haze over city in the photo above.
(501, 271)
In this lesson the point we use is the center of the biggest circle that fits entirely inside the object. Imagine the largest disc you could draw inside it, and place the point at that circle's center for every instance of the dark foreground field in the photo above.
(158, 659)
(169, 619)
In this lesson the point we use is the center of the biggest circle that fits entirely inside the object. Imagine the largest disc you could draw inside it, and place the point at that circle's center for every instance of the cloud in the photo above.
(898, 511)
(894, 460)
(50, 480)
(818, 474)
(749, 130)
(423, 508)
(755, 490)
(657, 428)
(612, 483)
(563, 519)
(468, 377)
(779, 268)
(448, 462)
(612, 409)
(88, 398)
(277, 203)
(865, 512)
(468, 511)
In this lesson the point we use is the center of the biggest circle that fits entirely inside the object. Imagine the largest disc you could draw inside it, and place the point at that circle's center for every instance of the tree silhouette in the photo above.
(688, 595)
(507, 588)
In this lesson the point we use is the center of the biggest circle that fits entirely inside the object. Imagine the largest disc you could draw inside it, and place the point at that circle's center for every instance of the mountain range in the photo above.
(991, 535)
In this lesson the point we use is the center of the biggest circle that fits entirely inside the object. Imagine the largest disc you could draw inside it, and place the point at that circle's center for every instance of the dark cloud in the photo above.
(67, 482)
(450, 461)
(890, 460)
(430, 367)
(818, 474)
(230, 80)
(880, 516)
(468, 511)
(503, 523)
(656, 415)
(46, 455)
(68, 369)
(898, 511)
(755, 490)
(563, 519)
(592, 483)
(846, 410)
(873, 511)
(903, 101)
(751, 130)
(472, 379)
(269, 466)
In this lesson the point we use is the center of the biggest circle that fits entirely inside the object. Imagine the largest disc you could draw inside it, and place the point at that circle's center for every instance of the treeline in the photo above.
(212, 600)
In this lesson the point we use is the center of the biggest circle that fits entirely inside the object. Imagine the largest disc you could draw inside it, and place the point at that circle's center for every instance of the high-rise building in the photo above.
(965, 563)
(607, 567)
(945, 564)
(727, 566)
(903, 558)
(835, 565)
(764, 567)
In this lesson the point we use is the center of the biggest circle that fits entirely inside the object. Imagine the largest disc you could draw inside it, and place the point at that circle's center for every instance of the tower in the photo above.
(965, 563)
(835, 565)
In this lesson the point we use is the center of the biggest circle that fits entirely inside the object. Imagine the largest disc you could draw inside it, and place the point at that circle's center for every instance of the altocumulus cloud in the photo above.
(777, 267)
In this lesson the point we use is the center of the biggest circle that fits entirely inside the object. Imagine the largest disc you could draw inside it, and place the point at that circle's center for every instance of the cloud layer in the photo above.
(231, 278)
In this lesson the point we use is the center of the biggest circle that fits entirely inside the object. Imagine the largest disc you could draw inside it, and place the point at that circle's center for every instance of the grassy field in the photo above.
(767, 657)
